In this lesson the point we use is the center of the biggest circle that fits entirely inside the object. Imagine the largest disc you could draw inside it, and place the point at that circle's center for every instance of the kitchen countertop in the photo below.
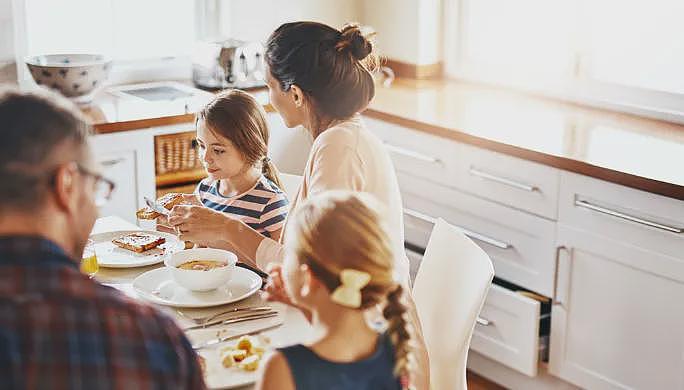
(110, 113)
(626, 149)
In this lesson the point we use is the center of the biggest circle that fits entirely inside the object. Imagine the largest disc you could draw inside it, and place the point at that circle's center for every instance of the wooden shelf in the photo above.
(170, 179)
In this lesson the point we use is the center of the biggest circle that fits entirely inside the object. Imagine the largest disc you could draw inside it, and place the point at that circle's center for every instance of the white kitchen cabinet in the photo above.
(611, 257)
(508, 330)
(616, 324)
(118, 167)
(520, 245)
(126, 158)
(417, 153)
(511, 181)
(618, 316)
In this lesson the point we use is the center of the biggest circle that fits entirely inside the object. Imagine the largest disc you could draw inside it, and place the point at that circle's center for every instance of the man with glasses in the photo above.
(58, 328)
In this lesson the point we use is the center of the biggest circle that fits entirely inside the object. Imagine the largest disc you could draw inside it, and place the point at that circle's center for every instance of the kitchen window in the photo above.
(147, 40)
(621, 54)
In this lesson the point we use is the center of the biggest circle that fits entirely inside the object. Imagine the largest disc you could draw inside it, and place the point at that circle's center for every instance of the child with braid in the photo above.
(339, 266)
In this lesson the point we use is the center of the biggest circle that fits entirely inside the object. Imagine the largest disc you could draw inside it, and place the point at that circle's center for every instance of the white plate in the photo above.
(219, 377)
(158, 286)
(111, 256)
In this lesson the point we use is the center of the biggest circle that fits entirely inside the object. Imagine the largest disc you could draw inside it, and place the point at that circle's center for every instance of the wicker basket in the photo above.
(176, 153)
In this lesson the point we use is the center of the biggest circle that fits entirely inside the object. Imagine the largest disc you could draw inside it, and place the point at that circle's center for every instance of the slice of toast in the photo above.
(167, 201)
(138, 242)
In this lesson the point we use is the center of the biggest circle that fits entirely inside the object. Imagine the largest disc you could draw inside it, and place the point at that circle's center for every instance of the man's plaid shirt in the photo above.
(61, 330)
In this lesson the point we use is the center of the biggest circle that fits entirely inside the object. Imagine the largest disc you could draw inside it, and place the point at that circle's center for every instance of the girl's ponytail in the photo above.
(270, 171)
(399, 332)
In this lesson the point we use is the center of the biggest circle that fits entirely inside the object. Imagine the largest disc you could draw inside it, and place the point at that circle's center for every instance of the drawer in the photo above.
(510, 327)
(639, 218)
(417, 153)
(508, 180)
(521, 245)
(415, 256)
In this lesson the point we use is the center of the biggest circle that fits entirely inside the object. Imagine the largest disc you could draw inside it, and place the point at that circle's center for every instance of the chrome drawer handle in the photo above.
(484, 321)
(474, 235)
(112, 162)
(411, 153)
(502, 180)
(627, 217)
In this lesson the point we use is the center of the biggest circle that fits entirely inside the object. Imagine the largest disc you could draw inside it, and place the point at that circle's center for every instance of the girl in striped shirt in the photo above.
(232, 137)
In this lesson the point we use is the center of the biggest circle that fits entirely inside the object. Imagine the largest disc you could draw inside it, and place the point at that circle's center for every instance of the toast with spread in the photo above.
(138, 242)
(167, 201)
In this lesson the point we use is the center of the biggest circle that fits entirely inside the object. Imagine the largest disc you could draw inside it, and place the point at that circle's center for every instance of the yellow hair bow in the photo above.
(349, 292)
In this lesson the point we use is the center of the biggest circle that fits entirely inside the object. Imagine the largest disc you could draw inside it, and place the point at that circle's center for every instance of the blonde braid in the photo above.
(399, 331)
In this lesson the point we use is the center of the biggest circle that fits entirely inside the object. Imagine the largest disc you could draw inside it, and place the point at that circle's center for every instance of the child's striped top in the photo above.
(262, 207)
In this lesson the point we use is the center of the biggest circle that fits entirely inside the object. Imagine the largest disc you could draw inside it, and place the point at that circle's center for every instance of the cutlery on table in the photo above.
(245, 318)
(254, 269)
(210, 317)
(223, 339)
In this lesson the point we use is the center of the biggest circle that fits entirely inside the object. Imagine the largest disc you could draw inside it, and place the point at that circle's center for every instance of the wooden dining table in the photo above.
(294, 329)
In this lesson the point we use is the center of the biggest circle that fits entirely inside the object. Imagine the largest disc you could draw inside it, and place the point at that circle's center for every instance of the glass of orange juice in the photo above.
(89, 260)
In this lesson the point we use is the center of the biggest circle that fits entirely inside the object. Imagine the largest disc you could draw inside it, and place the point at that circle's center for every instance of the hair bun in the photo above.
(354, 41)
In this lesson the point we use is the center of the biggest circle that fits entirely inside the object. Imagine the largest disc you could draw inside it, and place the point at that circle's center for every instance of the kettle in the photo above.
(229, 63)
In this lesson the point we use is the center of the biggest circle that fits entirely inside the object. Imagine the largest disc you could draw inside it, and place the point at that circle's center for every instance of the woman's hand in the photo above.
(275, 289)
(199, 224)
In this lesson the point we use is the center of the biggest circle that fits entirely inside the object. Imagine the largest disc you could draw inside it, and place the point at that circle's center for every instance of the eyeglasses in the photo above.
(103, 186)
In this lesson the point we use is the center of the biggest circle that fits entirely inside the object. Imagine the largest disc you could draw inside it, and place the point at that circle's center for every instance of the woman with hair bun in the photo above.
(319, 77)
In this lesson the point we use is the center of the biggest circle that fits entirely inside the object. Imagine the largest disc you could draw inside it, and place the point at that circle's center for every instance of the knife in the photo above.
(223, 339)
(156, 207)
(250, 317)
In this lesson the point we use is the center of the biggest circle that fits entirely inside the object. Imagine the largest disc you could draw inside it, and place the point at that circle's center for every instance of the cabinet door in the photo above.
(617, 322)
(119, 167)
(127, 158)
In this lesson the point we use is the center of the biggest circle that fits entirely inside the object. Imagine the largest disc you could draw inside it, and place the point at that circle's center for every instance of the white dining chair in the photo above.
(449, 291)
(290, 183)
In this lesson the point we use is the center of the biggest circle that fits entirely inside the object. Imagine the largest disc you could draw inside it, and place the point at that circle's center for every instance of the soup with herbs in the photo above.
(202, 265)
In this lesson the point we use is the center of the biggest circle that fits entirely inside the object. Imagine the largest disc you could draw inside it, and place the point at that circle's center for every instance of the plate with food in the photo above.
(161, 287)
(235, 363)
(134, 248)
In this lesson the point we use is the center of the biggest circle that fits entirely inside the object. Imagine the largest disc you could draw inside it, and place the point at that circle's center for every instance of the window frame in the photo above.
(576, 88)
(207, 25)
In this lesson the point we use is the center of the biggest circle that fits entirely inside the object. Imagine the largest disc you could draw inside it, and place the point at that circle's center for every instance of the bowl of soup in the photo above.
(201, 269)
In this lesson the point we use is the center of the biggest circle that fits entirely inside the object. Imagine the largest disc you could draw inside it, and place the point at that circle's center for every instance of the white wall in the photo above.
(7, 67)
(408, 30)
(254, 20)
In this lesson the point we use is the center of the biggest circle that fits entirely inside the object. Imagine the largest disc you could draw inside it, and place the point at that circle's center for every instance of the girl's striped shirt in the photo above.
(262, 207)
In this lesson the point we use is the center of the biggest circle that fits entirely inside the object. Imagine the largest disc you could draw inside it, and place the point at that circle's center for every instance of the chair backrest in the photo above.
(290, 183)
(449, 291)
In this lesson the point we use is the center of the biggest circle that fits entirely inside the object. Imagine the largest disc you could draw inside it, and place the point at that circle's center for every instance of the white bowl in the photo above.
(196, 280)
(73, 75)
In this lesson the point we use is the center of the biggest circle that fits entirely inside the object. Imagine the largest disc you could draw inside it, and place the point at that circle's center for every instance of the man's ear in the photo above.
(65, 187)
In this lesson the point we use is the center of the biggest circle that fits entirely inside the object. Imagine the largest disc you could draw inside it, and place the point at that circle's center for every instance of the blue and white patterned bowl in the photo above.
(73, 75)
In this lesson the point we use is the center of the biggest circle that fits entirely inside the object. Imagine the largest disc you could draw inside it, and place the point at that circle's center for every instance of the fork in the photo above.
(243, 318)
(207, 318)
